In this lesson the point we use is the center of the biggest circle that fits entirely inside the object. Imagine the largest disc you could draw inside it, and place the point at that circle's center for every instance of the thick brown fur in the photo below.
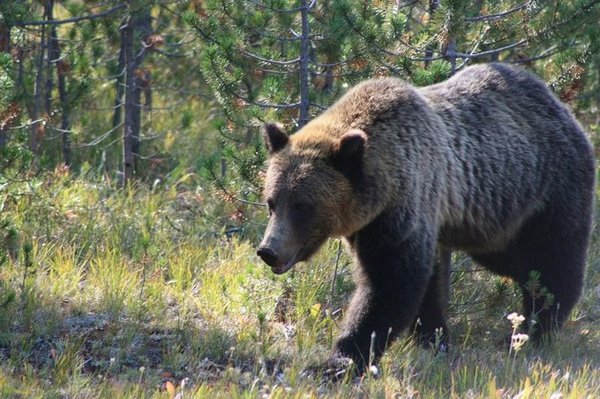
(488, 162)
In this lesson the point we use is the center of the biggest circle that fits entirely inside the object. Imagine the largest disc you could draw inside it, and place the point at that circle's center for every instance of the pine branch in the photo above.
(283, 10)
(333, 64)
(581, 11)
(276, 72)
(427, 59)
(495, 17)
(231, 196)
(237, 95)
(489, 52)
(376, 47)
(269, 61)
(70, 20)
(101, 138)
(318, 106)
(167, 54)
(277, 38)
(545, 54)
(470, 55)
(475, 46)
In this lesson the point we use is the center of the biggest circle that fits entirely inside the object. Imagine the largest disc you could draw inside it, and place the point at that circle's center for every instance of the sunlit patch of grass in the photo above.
(63, 273)
(112, 282)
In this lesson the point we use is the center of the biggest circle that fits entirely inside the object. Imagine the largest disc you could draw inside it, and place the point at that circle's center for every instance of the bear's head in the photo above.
(309, 189)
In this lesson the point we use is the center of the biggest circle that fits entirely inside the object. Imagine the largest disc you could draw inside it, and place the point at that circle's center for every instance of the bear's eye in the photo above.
(271, 206)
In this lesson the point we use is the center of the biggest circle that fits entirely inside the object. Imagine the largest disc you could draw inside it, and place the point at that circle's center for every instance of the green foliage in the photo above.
(437, 72)
(234, 64)
(12, 12)
(7, 83)
(252, 63)
(537, 292)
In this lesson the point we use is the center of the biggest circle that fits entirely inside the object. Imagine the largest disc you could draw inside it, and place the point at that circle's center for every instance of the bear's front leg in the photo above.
(392, 278)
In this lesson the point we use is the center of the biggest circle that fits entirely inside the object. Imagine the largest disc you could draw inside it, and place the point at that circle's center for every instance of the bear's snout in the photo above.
(268, 256)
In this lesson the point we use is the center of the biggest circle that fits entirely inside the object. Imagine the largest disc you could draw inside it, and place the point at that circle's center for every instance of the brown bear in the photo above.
(488, 162)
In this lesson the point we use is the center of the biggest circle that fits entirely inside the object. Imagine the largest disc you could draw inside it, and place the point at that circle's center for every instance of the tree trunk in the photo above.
(304, 62)
(130, 105)
(37, 127)
(450, 54)
(134, 51)
(65, 122)
(119, 84)
(433, 6)
(136, 143)
(51, 59)
(4, 48)
(137, 25)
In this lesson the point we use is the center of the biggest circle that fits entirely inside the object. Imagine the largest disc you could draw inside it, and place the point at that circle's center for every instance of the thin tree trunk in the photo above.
(133, 57)
(119, 84)
(65, 123)
(433, 6)
(142, 27)
(147, 92)
(450, 54)
(37, 128)
(136, 143)
(50, 60)
(304, 62)
(130, 105)
(4, 48)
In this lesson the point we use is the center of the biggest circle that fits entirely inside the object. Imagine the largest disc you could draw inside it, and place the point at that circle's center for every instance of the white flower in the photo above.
(516, 319)
(517, 341)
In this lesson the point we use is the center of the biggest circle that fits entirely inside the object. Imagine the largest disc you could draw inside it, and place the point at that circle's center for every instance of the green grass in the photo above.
(140, 293)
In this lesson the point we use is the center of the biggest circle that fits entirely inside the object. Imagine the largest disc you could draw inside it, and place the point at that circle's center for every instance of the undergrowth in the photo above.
(157, 292)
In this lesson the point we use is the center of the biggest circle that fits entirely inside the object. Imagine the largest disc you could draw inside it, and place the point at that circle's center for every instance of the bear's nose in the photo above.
(267, 255)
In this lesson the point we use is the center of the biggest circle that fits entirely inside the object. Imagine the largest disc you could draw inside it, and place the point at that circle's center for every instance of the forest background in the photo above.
(130, 176)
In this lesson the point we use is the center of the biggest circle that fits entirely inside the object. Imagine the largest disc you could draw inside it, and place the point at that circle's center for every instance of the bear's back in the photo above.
(515, 146)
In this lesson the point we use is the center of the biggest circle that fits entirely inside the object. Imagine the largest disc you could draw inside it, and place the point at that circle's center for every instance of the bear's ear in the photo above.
(274, 138)
(349, 151)
(348, 155)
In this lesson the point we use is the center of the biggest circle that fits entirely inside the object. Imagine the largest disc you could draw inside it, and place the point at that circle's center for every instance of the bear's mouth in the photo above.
(280, 269)
(284, 267)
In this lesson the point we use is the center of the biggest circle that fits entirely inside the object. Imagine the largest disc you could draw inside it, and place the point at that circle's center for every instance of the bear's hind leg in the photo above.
(547, 259)
(553, 248)
(430, 327)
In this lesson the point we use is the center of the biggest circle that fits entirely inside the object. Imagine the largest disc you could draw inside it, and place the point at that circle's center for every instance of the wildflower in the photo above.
(516, 319)
(374, 371)
(183, 383)
(517, 341)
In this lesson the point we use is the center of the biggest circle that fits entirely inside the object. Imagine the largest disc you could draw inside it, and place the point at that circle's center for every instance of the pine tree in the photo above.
(14, 156)
(288, 60)
(282, 60)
